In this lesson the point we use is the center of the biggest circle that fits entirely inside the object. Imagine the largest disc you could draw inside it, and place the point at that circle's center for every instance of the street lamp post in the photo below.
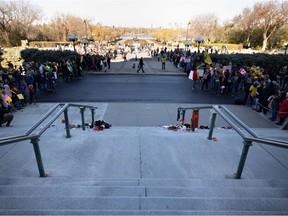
(85, 43)
(73, 38)
(186, 45)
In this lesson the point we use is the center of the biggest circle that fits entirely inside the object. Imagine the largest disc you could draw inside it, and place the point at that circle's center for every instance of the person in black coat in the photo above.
(5, 115)
(140, 65)
(268, 90)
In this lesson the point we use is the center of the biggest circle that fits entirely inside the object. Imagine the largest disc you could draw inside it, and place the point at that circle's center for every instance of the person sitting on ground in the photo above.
(5, 115)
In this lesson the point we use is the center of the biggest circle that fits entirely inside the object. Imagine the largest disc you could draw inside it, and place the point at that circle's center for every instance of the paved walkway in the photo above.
(152, 66)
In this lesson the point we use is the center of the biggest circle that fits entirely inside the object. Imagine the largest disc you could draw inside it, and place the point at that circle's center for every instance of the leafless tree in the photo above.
(203, 25)
(272, 16)
(16, 19)
(269, 17)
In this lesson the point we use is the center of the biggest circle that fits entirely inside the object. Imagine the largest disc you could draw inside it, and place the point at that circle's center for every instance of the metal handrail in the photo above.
(11, 137)
(42, 119)
(234, 126)
(10, 140)
(247, 129)
(35, 137)
(247, 141)
(79, 105)
(273, 142)
(48, 124)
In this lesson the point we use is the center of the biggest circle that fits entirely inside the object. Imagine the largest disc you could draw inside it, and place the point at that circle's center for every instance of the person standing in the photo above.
(140, 65)
(163, 60)
(251, 100)
(108, 61)
(206, 79)
(275, 101)
(283, 111)
(194, 76)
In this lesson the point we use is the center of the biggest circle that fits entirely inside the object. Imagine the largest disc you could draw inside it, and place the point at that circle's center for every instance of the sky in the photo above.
(143, 13)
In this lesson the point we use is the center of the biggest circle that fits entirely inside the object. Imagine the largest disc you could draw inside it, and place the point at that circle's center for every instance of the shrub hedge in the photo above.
(48, 55)
(266, 61)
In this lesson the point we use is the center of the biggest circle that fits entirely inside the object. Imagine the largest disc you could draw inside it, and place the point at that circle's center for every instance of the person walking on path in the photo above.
(163, 60)
(140, 65)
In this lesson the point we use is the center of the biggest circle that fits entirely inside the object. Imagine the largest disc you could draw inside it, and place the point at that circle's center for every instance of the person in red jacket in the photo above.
(283, 110)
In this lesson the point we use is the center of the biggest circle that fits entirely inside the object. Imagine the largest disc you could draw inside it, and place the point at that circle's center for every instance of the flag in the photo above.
(243, 72)
(207, 58)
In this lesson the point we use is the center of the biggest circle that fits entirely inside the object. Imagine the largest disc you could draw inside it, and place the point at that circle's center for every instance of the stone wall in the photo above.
(11, 55)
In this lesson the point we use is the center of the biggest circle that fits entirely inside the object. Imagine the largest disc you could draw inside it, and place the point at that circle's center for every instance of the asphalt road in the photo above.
(132, 88)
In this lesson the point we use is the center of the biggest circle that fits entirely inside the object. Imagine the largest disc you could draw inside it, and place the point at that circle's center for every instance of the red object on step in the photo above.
(195, 118)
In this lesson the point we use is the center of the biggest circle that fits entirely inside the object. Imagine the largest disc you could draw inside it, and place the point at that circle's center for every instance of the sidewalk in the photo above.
(152, 66)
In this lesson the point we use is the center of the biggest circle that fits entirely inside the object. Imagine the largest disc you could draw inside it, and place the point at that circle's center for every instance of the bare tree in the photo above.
(268, 17)
(272, 16)
(66, 24)
(203, 25)
(16, 19)
(248, 22)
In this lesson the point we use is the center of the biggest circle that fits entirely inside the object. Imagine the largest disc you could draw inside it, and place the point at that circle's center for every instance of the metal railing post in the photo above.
(183, 116)
(178, 113)
(244, 154)
(82, 109)
(37, 152)
(93, 116)
(67, 127)
(212, 124)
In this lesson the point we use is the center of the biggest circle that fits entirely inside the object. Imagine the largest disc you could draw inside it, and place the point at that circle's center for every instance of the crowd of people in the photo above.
(250, 86)
(21, 85)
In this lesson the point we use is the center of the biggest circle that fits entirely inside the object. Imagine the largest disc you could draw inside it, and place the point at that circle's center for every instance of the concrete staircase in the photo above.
(142, 171)
(82, 196)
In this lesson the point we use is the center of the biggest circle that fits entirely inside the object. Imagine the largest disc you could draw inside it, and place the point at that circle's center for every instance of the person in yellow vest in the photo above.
(163, 60)
(252, 94)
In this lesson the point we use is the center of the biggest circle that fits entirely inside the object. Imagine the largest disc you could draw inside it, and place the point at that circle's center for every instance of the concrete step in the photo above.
(145, 182)
(143, 203)
(141, 191)
(137, 212)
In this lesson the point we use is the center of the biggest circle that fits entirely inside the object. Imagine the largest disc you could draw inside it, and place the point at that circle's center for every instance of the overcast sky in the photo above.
(143, 13)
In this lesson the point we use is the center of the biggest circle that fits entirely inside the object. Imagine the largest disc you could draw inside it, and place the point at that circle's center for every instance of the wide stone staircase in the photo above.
(82, 196)
(142, 171)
